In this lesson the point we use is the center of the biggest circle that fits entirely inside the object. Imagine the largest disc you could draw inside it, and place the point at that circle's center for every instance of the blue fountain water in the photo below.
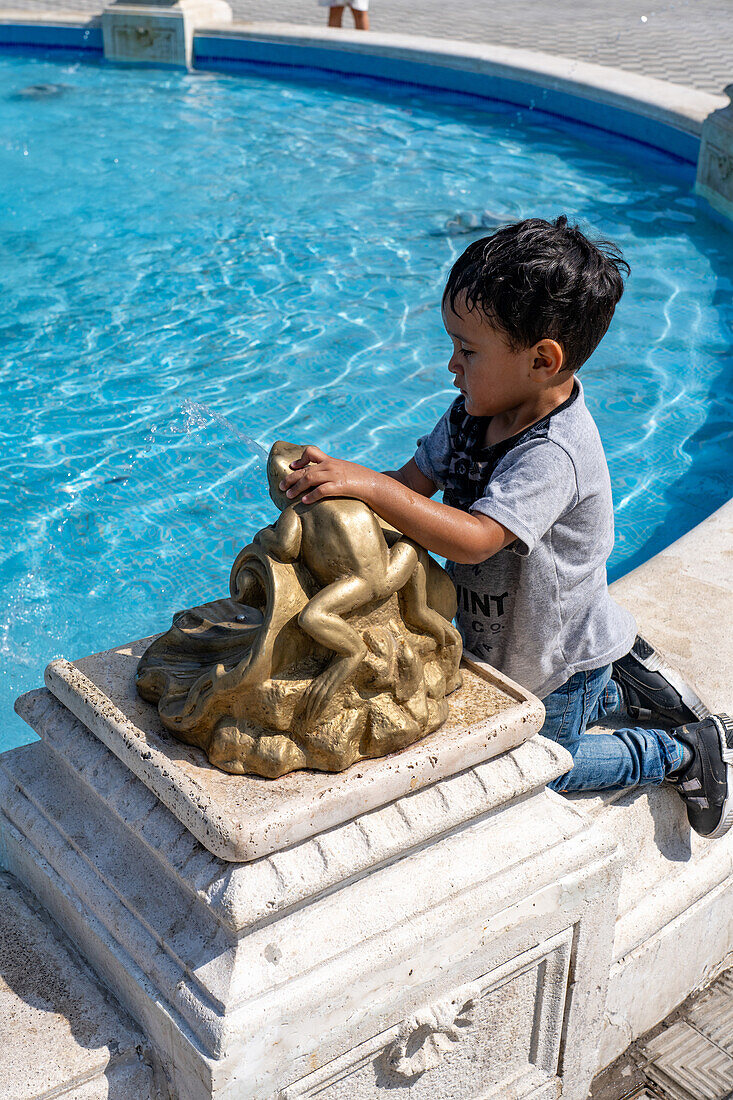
(193, 263)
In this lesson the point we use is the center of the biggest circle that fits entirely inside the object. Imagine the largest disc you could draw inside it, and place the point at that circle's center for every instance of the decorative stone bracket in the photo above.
(158, 33)
(425, 1038)
(715, 165)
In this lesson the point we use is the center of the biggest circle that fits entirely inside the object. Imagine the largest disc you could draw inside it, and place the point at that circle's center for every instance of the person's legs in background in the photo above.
(359, 10)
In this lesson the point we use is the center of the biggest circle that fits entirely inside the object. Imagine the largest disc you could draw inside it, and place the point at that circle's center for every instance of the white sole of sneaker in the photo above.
(724, 725)
(655, 662)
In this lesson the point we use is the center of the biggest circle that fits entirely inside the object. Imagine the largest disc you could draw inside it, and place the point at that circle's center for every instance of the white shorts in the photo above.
(357, 5)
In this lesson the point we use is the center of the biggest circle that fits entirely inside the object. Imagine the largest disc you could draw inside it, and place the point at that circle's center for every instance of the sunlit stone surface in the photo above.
(61, 1032)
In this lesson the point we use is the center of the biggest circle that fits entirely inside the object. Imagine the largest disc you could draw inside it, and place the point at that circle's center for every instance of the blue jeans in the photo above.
(619, 758)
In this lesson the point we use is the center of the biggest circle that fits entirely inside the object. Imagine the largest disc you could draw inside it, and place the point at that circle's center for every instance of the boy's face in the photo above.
(492, 378)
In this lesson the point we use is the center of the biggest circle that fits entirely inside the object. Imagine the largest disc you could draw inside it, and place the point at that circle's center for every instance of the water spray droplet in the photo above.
(198, 416)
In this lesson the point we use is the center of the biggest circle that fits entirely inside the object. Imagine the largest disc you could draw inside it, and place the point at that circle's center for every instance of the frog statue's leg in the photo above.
(418, 612)
(322, 619)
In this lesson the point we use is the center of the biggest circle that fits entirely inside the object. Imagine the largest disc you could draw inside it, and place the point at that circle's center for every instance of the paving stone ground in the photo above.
(689, 1056)
(685, 41)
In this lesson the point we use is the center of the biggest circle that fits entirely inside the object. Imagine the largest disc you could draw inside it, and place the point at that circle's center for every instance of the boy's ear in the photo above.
(549, 358)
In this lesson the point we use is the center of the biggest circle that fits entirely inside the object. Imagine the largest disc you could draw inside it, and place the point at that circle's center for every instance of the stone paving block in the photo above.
(61, 1034)
(713, 1013)
(688, 1066)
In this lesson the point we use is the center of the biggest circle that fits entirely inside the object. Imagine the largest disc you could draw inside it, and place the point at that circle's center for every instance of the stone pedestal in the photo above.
(434, 924)
(715, 164)
(158, 33)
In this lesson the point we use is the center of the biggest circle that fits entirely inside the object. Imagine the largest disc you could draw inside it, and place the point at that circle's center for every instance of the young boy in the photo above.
(527, 518)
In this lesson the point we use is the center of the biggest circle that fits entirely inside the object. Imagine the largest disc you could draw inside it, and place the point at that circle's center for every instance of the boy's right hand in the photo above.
(318, 476)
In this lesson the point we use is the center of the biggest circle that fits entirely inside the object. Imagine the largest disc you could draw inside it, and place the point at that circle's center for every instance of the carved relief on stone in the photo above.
(427, 1036)
(146, 42)
(335, 645)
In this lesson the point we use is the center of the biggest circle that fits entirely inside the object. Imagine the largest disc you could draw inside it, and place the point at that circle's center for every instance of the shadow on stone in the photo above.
(45, 991)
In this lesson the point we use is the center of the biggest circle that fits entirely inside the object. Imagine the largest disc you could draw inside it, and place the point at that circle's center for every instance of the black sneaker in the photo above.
(654, 691)
(706, 782)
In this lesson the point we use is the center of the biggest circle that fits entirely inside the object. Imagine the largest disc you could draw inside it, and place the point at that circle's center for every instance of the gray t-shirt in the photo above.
(540, 609)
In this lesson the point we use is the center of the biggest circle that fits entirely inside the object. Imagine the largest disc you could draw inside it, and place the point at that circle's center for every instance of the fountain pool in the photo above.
(275, 252)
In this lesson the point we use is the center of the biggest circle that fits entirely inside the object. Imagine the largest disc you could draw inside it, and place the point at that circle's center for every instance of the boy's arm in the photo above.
(447, 531)
(412, 476)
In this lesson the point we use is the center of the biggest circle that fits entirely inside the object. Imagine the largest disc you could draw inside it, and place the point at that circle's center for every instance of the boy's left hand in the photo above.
(318, 476)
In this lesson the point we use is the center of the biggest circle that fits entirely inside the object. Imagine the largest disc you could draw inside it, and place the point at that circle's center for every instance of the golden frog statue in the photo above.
(336, 644)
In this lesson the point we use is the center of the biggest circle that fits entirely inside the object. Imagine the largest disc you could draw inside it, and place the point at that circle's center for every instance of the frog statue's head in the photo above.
(278, 465)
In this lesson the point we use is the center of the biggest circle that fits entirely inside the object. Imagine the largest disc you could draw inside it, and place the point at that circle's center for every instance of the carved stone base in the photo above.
(453, 941)
(159, 33)
(715, 164)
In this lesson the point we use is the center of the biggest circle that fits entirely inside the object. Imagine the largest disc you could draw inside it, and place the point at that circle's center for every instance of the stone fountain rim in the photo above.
(643, 109)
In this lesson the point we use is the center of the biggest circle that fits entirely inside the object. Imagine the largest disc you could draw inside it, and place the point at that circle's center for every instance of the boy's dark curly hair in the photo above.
(537, 279)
